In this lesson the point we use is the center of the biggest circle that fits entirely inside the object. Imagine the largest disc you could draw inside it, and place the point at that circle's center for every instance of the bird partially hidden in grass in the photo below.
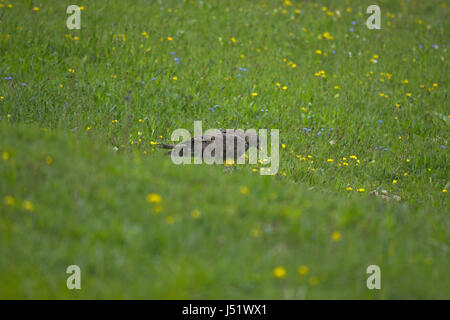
(234, 144)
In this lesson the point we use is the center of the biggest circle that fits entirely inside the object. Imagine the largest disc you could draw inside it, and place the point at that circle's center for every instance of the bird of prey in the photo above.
(234, 144)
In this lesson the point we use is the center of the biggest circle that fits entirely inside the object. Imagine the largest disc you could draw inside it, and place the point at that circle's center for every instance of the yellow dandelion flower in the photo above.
(349, 189)
(27, 205)
(283, 145)
(361, 190)
(157, 208)
(170, 220)
(284, 87)
(318, 51)
(256, 232)
(330, 160)
(229, 162)
(279, 272)
(48, 160)
(314, 281)
(9, 200)
(5, 155)
(394, 181)
(244, 190)
(336, 236)
(233, 39)
(409, 94)
(169, 38)
(444, 190)
(36, 9)
(175, 78)
(303, 270)
(254, 94)
(154, 198)
(196, 214)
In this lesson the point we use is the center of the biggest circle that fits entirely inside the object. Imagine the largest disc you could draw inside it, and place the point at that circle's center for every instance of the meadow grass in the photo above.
(363, 118)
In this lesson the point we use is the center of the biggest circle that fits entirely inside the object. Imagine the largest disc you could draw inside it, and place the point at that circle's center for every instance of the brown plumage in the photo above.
(238, 148)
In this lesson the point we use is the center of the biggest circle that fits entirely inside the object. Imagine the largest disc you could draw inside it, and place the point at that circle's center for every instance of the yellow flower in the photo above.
(256, 232)
(330, 160)
(170, 220)
(244, 190)
(408, 94)
(336, 236)
(283, 145)
(175, 78)
(1, 98)
(361, 190)
(154, 198)
(49, 160)
(303, 270)
(9, 200)
(61, 85)
(5, 155)
(229, 162)
(196, 214)
(279, 272)
(27, 205)
(435, 85)
(36, 9)
(233, 40)
(254, 94)
(444, 190)
(318, 51)
(169, 38)
(328, 36)
(284, 87)
(157, 208)
(404, 81)
(349, 189)
(88, 128)
(294, 66)
(314, 281)
(394, 181)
